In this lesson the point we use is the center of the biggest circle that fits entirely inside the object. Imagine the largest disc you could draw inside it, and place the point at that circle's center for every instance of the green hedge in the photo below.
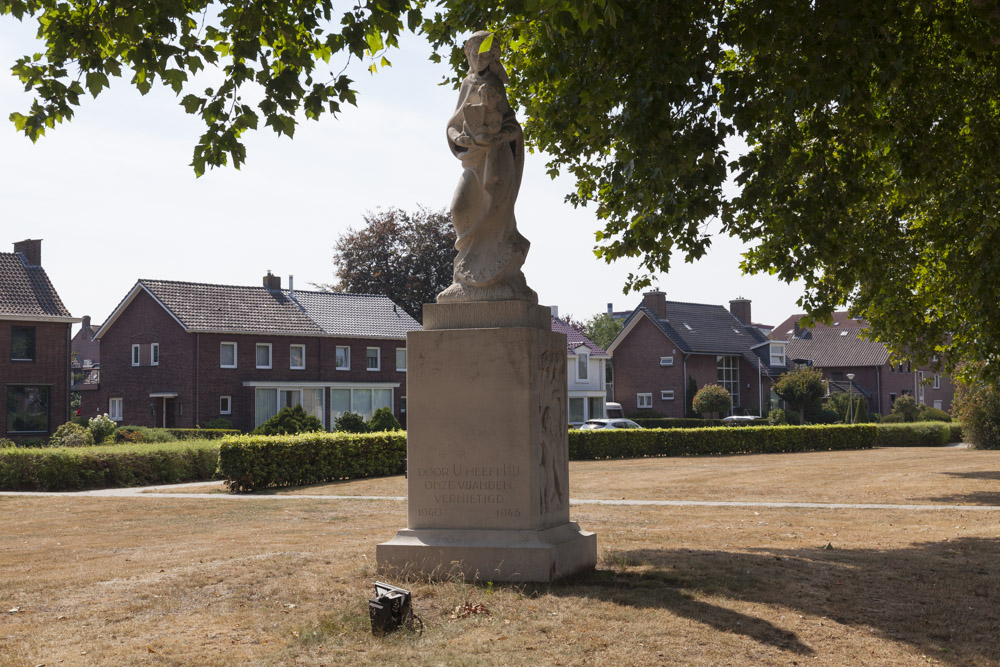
(687, 422)
(633, 443)
(74, 469)
(918, 434)
(202, 433)
(252, 462)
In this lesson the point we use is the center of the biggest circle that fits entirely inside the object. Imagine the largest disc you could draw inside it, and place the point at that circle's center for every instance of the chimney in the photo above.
(740, 308)
(86, 323)
(555, 311)
(291, 286)
(796, 330)
(656, 301)
(272, 282)
(611, 309)
(32, 251)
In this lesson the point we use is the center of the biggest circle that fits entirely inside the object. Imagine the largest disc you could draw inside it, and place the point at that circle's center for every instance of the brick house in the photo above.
(586, 373)
(838, 349)
(664, 343)
(179, 354)
(34, 337)
(85, 357)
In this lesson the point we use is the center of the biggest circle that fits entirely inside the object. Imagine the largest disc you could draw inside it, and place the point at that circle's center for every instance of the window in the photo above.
(289, 398)
(892, 368)
(373, 359)
(582, 367)
(666, 361)
(265, 405)
(666, 394)
(402, 405)
(340, 402)
(937, 381)
(154, 354)
(576, 411)
(361, 402)
(401, 359)
(135, 355)
(777, 354)
(343, 358)
(225, 405)
(297, 357)
(643, 401)
(728, 374)
(22, 343)
(27, 409)
(595, 407)
(227, 355)
(938, 404)
(312, 403)
(115, 409)
(263, 355)
(892, 400)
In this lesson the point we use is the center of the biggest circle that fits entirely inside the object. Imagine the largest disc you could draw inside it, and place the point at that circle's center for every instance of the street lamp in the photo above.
(850, 397)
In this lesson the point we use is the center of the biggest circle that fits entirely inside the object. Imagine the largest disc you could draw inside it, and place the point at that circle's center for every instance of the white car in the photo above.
(740, 418)
(596, 424)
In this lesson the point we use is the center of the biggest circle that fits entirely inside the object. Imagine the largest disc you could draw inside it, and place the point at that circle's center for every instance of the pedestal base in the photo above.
(490, 555)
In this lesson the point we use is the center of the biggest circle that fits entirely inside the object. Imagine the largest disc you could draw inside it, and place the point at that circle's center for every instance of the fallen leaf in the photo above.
(295, 633)
(150, 649)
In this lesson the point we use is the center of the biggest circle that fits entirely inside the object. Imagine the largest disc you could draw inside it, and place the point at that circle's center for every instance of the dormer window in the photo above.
(777, 351)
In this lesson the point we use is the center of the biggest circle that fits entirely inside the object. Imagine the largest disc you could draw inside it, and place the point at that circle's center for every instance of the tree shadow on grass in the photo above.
(940, 597)
(979, 474)
(971, 498)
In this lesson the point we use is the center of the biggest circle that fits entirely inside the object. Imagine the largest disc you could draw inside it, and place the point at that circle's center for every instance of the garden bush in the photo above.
(143, 434)
(906, 406)
(101, 427)
(713, 399)
(351, 422)
(913, 434)
(956, 432)
(289, 421)
(892, 418)
(252, 462)
(71, 435)
(665, 422)
(204, 433)
(102, 467)
(977, 406)
(384, 420)
(926, 413)
(600, 444)
(219, 423)
(7, 444)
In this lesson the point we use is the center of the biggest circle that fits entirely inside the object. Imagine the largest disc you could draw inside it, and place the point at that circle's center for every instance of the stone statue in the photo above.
(484, 134)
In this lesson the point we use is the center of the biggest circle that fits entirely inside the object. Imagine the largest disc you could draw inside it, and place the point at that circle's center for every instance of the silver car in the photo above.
(595, 424)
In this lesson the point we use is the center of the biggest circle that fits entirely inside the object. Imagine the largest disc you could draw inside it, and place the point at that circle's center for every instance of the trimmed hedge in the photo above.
(602, 444)
(956, 432)
(253, 462)
(202, 433)
(75, 469)
(917, 434)
(690, 422)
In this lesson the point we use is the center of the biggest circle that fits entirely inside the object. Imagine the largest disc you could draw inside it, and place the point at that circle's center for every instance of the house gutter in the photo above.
(878, 387)
(197, 378)
(684, 382)
(69, 371)
(760, 392)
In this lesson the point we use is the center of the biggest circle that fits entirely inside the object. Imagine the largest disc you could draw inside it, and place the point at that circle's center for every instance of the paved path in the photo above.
(152, 492)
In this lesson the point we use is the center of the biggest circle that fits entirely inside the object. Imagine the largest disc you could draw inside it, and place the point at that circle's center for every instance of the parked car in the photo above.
(740, 418)
(595, 424)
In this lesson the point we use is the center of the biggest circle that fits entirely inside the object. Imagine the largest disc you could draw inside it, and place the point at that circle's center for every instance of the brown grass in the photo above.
(171, 581)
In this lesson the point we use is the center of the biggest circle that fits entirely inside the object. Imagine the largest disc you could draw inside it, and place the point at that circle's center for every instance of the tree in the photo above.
(713, 399)
(977, 406)
(802, 389)
(871, 128)
(906, 407)
(407, 257)
(602, 329)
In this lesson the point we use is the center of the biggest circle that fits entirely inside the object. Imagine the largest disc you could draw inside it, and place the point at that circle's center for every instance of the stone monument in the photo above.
(487, 445)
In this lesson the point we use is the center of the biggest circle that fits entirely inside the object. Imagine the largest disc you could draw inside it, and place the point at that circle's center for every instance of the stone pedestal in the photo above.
(487, 449)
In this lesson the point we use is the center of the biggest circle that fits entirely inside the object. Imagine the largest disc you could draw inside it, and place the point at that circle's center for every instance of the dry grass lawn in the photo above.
(177, 581)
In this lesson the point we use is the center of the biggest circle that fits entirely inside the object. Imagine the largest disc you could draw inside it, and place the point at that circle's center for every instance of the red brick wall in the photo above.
(50, 368)
(198, 401)
(638, 370)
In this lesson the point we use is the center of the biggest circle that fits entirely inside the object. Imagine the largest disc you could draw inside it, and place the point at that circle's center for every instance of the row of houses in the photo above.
(183, 354)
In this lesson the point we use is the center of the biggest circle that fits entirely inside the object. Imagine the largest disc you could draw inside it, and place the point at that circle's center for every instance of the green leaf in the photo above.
(486, 44)
(19, 121)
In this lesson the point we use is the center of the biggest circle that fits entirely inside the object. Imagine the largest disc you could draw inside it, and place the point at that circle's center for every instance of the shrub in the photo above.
(218, 423)
(102, 467)
(383, 420)
(202, 433)
(777, 417)
(289, 421)
(81, 420)
(713, 399)
(101, 427)
(143, 434)
(351, 422)
(71, 435)
(918, 434)
(803, 390)
(892, 418)
(906, 406)
(977, 406)
(600, 444)
(828, 417)
(688, 422)
(956, 432)
(253, 462)
(29, 443)
(926, 413)
(7, 444)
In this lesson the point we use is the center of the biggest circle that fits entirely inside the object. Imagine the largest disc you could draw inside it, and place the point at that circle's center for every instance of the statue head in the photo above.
(488, 59)
(489, 96)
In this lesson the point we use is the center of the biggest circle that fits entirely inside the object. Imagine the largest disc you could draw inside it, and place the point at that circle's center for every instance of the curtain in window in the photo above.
(312, 403)
(382, 398)
(340, 402)
(263, 356)
(227, 355)
(362, 403)
(576, 410)
(595, 408)
(288, 398)
(27, 409)
(266, 405)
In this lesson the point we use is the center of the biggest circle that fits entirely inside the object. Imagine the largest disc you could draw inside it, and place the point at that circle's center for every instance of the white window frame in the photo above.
(403, 350)
(666, 394)
(223, 344)
(228, 402)
(135, 354)
(666, 361)
(154, 354)
(115, 415)
(585, 358)
(644, 401)
(303, 366)
(777, 352)
(378, 358)
(270, 355)
(937, 381)
(347, 357)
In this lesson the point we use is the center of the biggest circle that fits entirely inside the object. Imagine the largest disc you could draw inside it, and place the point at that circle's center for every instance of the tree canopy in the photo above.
(871, 128)
(407, 257)
(800, 388)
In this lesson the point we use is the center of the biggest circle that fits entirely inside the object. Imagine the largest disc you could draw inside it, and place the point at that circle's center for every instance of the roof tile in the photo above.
(26, 290)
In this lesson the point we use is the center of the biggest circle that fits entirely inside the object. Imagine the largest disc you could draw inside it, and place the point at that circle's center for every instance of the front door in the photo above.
(169, 407)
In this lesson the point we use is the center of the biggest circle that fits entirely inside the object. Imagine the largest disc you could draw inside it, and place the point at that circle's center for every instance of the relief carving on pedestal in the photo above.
(553, 490)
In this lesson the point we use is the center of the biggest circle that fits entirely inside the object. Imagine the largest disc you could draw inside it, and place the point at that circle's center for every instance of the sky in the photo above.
(113, 197)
